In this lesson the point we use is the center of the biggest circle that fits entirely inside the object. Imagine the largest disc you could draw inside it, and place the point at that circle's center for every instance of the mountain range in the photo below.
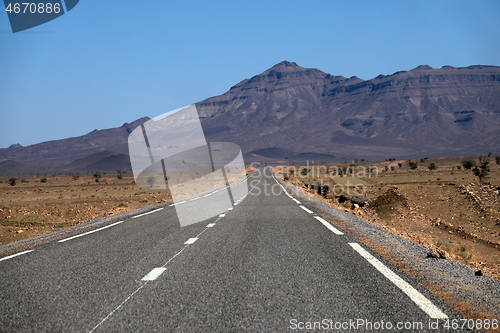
(292, 114)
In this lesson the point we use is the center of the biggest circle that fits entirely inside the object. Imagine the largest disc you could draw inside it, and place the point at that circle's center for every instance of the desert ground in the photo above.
(445, 209)
(37, 205)
(34, 206)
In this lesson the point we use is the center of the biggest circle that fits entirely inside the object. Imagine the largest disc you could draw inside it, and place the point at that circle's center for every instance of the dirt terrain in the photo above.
(447, 209)
(32, 207)
(37, 205)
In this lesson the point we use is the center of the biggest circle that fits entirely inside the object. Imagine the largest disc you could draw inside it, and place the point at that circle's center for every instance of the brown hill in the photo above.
(104, 161)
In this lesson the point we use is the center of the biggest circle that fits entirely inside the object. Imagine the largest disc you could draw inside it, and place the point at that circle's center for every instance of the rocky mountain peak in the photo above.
(423, 67)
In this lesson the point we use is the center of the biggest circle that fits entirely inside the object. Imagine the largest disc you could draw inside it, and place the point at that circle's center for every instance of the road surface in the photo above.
(269, 264)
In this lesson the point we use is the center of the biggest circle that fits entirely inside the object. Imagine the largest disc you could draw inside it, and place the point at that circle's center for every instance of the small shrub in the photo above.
(483, 171)
(400, 165)
(123, 204)
(386, 168)
(459, 167)
(468, 164)
(421, 160)
(12, 181)
(144, 200)
(497, 159)
(120, 174)
(305, 171)
(443, 245)
(392, 168)
(97, 176)
(432, 166)
(43, 180)
(76, 177)
(413, 165)
(24, 181)
(151, 181)
(462, 251)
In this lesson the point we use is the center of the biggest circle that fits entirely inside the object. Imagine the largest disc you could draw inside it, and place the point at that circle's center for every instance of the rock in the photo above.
(438, 254)
(478, 273)
(20, 231)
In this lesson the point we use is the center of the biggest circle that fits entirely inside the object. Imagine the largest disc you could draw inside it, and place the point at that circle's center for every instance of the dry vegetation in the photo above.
(445, 209)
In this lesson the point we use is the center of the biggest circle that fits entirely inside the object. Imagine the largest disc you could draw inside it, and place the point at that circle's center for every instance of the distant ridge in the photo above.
(61, 156)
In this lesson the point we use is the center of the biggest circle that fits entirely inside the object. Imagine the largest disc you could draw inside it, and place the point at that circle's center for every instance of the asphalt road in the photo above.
(267, 265)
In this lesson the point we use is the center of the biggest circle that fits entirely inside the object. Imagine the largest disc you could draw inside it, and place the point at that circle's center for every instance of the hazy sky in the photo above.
(108, 62)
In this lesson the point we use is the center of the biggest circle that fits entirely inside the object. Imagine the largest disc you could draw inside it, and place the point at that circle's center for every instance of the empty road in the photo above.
(269, 264)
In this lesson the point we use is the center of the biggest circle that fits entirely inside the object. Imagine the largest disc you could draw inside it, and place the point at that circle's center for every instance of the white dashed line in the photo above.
(222, 215)
(230, 208)
(15, 255)
(177, 203)
(195, 199)
(90, 232)
(210, 225)
(419, 299)
(329, 226)
(191, 240)
(307, 210)
(296, 201)
(153, 211)
(209, 194)
(154, 274)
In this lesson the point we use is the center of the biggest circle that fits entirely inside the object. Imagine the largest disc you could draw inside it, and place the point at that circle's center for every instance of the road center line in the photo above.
(132, 294)
(177, 203)
(210, 225)
(191, 240)
(151, 212)
(154, 274)
(419, 299)
(16, 254)
(195, 199)
(90, 232)
(329, 226)
(307, 210)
